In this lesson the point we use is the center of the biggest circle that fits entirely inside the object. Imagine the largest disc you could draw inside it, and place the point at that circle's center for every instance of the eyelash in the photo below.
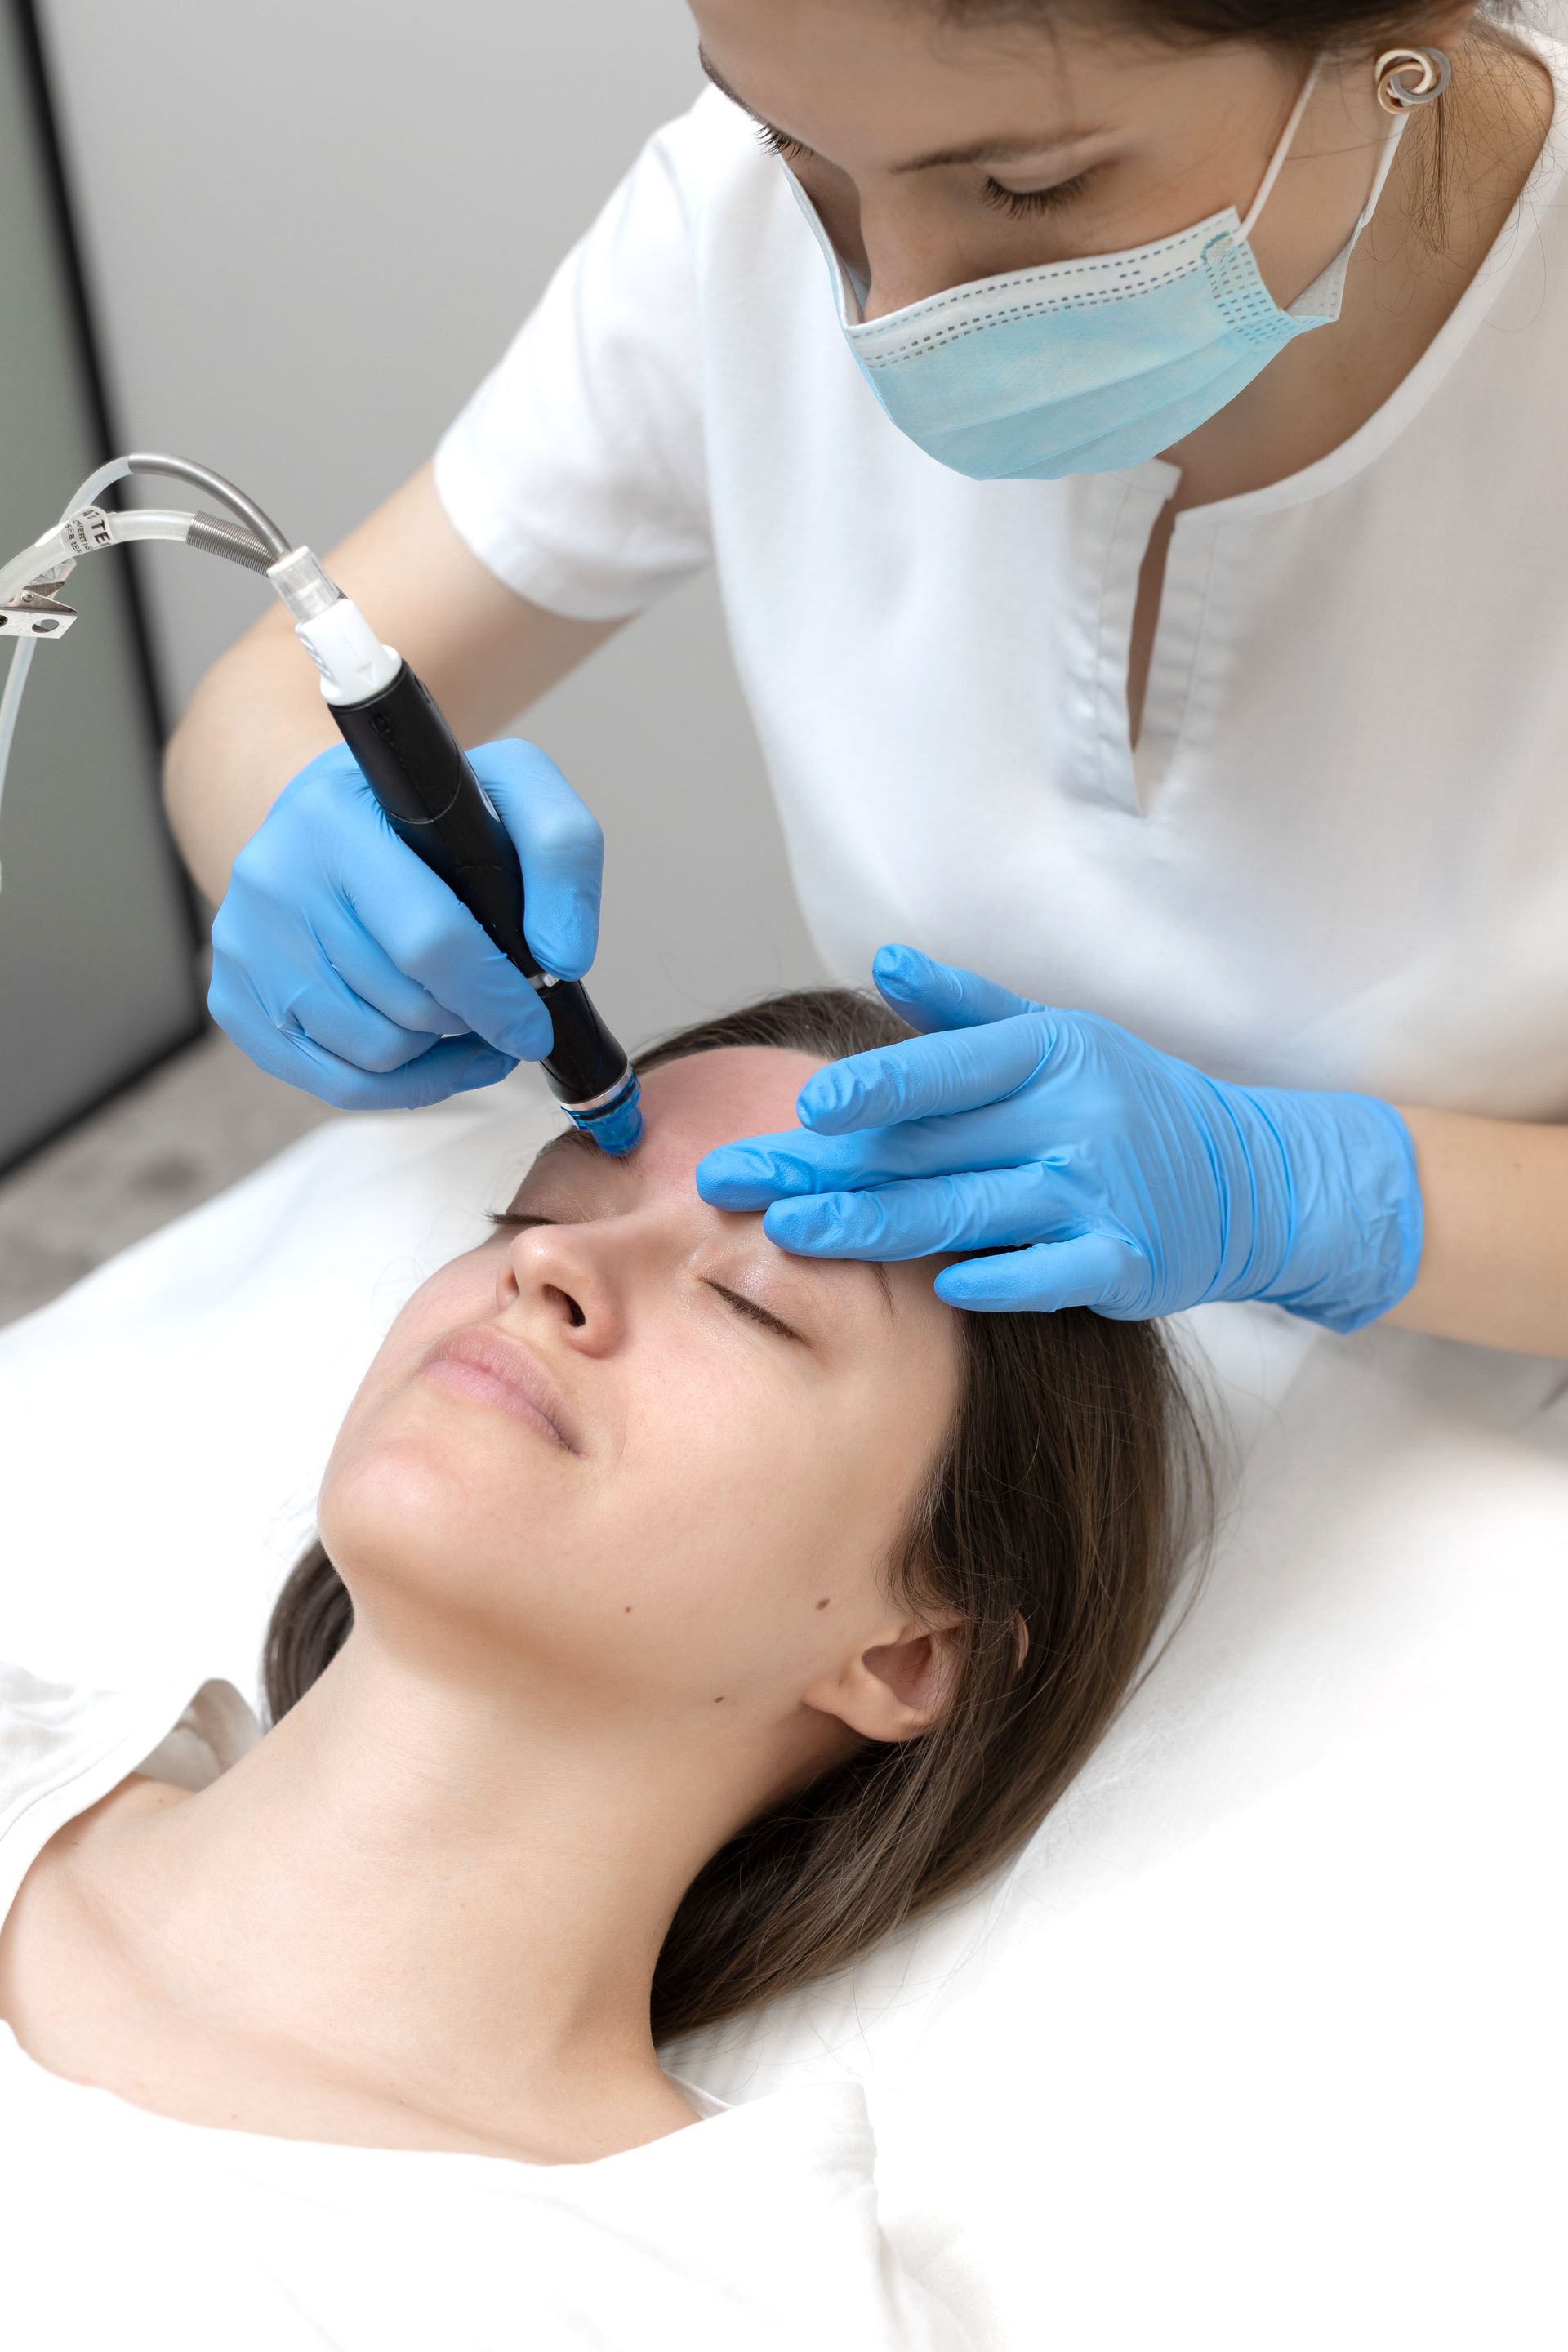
(777, 143)
(737, 1299)
(1018, 204)
(755, 1314)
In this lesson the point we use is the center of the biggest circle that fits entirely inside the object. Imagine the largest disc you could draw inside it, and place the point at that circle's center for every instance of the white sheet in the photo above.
(1260, 2042)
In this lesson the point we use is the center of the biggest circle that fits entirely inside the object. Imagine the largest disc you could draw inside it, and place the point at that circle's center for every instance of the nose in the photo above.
(907, 251)
(895, 279)
(884, 235)
(564, 1280)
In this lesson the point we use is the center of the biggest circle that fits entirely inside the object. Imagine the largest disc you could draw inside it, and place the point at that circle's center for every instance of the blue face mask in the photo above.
(1084, 367)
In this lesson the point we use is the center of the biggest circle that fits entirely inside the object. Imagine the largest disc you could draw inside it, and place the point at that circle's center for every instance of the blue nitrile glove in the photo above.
(344, 965)
(1117, 1177)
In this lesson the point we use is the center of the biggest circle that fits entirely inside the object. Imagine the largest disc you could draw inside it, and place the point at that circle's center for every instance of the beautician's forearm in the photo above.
(1494, 1268)
(258, 716)
(251, 725)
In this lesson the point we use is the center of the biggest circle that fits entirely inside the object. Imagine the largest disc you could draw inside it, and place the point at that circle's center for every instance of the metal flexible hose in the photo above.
(216, 486)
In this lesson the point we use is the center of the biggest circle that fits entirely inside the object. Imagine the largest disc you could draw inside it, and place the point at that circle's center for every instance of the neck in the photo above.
(462, 1891)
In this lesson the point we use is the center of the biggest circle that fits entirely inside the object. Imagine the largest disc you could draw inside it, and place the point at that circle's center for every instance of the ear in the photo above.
(897, 1688)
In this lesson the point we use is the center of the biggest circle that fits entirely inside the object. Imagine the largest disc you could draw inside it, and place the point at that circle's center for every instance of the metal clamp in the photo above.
(33, 615)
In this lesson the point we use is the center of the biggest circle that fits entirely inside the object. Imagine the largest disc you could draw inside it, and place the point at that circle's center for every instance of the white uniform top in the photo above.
(1338, 855)
(755, 2228)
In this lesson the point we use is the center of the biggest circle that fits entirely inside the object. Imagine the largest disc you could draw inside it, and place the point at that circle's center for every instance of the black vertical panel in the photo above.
(97, 937)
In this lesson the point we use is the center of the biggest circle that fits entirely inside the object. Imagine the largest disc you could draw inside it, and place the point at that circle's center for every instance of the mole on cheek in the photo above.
(822, 1604)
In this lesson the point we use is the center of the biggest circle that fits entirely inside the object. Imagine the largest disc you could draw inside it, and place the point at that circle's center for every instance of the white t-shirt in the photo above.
(1338, 855)
(755, 2230)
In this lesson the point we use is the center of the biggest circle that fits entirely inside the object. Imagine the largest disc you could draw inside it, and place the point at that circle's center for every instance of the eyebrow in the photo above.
(575, 1136)
(978, 151)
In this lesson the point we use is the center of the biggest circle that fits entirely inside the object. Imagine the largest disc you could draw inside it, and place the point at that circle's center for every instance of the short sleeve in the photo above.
(576, 473)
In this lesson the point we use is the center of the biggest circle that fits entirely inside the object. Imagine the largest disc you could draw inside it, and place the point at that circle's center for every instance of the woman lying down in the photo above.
(687, 1616)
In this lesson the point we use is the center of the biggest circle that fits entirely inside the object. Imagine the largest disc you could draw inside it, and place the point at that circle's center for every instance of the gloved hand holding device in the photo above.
(405, 922)
(1113, 1175)
(344, 965)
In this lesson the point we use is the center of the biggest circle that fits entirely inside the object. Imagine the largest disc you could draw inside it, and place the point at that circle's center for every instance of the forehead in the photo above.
(692, 1105)
(903, 80)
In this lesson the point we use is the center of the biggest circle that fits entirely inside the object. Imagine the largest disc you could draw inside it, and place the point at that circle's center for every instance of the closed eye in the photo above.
(517, 1219)
(755, 1314)
(1020, 204)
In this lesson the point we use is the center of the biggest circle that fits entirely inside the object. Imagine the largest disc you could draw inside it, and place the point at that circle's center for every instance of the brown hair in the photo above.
(1063, 1506)
(1281, 24)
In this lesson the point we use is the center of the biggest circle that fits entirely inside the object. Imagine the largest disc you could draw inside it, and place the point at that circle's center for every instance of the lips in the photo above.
(486, 1365)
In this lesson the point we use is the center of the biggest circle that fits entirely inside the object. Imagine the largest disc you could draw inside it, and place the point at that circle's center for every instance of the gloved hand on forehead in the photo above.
(1113, 1175)
(344, 965)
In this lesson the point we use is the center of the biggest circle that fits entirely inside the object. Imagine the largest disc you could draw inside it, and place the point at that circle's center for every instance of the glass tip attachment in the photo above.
(617, 1127)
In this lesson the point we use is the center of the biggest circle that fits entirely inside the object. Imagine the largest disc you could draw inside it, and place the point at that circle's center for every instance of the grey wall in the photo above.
(458, 151)
(95, 975)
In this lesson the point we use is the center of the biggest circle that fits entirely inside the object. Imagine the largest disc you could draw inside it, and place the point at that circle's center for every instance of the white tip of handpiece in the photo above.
(353, 661)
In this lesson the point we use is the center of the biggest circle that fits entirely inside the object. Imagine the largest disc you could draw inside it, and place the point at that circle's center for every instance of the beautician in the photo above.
(1132, 443)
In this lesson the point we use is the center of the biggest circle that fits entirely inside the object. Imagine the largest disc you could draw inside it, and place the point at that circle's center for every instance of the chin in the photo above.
(450, 1577)
(384, 1512)
(440, 1501)
(408, 1502)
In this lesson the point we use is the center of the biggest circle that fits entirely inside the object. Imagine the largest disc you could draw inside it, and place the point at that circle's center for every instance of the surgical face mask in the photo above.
(1083, 367)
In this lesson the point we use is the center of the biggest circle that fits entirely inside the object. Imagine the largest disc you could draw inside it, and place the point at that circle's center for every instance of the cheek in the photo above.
(747, 1496)
(710, 1452)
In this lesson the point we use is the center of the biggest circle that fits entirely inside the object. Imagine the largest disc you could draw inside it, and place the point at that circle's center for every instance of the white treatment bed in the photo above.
(1260, 2043)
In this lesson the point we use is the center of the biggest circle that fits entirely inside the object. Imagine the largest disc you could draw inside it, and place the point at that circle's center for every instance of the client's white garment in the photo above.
(755, 2231)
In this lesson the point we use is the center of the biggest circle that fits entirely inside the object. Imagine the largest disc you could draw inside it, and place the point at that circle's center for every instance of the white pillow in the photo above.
(1259, 2042)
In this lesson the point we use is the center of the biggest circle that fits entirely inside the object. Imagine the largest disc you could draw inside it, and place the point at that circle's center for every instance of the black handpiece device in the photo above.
(432, 798)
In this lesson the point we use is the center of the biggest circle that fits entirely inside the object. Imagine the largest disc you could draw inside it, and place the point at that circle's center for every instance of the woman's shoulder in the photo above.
(66, 1745)
(47, 1928)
